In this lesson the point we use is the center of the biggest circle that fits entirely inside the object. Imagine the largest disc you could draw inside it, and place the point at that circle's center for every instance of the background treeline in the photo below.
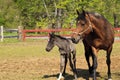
(53, 13)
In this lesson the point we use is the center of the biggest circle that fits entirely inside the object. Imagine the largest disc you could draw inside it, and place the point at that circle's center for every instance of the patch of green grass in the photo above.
(9, 40)
(14, 48)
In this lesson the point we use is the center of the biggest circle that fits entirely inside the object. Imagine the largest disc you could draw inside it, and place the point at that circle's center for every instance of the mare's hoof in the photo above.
(91, 75)
(91, 70)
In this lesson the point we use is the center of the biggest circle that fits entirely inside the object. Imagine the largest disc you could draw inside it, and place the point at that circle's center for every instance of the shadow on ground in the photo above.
(82, 73)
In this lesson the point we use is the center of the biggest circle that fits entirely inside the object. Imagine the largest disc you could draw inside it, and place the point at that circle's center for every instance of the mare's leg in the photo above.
(88, 52)
(72, 61)
(62, 65)
(94, 57)
(108, 61)
(91, 51)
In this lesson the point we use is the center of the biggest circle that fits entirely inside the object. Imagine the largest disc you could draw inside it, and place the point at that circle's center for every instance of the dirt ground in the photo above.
(47, 68)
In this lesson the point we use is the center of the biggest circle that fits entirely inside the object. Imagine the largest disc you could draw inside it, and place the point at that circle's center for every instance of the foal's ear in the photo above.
(51, 34)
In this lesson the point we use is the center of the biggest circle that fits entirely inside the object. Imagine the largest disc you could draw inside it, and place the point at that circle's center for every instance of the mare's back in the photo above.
(103, 25)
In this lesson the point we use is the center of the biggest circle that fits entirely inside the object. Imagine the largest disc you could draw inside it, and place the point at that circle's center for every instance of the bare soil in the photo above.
(47, 68)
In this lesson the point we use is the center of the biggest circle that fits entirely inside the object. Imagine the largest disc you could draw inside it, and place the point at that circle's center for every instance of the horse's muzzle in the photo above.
(47, 49)
(75, 40)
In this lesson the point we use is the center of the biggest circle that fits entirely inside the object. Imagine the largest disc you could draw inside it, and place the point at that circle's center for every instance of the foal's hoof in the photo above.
(110, 79)
(75, 79)
(61, 78)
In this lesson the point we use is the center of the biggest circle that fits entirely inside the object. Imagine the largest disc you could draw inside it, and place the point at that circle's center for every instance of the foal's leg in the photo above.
(108, 61)
(62, 65)
(65, 64)
(72, 61)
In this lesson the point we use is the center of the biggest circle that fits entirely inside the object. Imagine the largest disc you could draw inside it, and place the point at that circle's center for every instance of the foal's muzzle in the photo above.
(76, 40)
(48, 50)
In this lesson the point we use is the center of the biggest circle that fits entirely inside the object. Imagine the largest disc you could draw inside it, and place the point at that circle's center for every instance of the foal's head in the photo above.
(51, 43)
(84, 27)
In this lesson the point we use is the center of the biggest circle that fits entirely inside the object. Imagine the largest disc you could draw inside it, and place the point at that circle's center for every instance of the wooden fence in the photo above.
(18, 33)
(41, 33)
(25, 35)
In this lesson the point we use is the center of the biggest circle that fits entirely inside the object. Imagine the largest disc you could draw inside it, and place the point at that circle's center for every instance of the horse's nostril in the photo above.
(73, 39)
(46, 49)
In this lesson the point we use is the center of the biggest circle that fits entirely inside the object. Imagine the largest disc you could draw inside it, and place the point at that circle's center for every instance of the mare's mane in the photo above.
(97, 16)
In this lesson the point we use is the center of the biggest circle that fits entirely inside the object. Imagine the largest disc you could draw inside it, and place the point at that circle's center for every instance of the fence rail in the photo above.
(41, 33)
(24, 33)
(3, 32)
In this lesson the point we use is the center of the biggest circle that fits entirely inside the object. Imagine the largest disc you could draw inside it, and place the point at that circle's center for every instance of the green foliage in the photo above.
(45, 13)
(9, 14)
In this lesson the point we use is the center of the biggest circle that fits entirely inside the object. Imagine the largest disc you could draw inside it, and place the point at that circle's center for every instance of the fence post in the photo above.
(23, 35)
(1, 34)
(19, 32)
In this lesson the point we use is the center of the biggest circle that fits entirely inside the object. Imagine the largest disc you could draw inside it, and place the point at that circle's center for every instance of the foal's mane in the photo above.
(60, 37)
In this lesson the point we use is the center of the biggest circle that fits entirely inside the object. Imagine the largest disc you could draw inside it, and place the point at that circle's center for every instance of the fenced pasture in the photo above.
(29, 61)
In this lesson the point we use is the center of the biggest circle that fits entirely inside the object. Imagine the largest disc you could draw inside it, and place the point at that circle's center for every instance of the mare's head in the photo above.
(51, 43)
(84, 27)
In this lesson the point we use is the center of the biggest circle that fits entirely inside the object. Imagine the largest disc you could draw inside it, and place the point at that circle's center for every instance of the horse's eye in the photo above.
(78, 21)
(83, 24)
(48, 39)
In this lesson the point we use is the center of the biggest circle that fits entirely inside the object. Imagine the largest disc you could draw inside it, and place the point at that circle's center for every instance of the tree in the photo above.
(53, 13)
(9, 15)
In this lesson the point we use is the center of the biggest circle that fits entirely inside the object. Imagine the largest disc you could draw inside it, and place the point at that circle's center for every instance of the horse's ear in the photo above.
(83, 12)
(51, 34)
(78, 12)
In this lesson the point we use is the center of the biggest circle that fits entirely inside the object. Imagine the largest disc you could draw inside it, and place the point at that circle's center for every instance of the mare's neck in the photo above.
(97, 27)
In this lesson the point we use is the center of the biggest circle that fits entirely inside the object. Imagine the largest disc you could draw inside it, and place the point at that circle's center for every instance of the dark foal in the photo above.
(66, 49)
(96, 33)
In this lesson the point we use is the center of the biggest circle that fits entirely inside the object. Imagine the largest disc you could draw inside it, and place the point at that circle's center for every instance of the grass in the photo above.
(29, 61)
(29, 48)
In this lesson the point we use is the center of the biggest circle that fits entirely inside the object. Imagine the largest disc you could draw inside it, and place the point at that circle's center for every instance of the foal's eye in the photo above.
(48, 39)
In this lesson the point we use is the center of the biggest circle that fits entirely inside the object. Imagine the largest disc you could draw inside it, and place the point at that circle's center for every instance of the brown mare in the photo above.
(96, 33)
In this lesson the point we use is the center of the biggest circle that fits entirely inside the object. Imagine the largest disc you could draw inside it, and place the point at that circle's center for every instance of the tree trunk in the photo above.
(46, 8)
(115, 20)
(55, 9)
(59, 24)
